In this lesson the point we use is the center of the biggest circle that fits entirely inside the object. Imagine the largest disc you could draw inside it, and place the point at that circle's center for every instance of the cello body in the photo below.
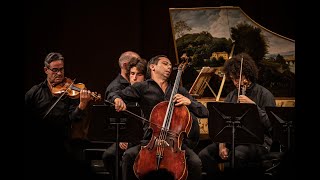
(170, 157)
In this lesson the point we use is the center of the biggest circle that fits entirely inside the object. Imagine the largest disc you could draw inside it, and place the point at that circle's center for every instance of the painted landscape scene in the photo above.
(210, 36)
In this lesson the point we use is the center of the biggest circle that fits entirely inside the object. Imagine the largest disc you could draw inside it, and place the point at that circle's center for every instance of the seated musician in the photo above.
(133, 69)
(148, 94)
(49, 150)
(255, 94)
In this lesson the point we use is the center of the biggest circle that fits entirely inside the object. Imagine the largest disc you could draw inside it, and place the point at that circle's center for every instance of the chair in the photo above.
(93, 154)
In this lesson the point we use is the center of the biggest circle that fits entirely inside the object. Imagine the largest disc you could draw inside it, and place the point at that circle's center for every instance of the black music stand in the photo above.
(283, 123)
(110, 125)
(225, 118)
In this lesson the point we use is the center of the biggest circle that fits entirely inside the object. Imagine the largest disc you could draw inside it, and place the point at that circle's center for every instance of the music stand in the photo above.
(225, 118)
(110, 125)
(282, 120)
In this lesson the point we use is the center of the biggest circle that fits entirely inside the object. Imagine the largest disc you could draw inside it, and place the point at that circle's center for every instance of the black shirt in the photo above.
(148, 94)
(262, 97)
(57, 123)
(118, 83)
(47, 140)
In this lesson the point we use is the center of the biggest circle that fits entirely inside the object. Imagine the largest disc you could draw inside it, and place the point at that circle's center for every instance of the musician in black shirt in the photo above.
(148, 94)
(132, 69)
(122, 80)
(49, 151)
(255, 94)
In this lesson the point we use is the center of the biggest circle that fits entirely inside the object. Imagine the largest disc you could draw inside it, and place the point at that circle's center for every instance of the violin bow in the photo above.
(62, 94)
(240, 78)
(142, 118)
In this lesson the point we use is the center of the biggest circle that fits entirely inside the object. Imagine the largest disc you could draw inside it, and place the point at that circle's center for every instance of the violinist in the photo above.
(49, 152)
(148, 94)
(247, 91)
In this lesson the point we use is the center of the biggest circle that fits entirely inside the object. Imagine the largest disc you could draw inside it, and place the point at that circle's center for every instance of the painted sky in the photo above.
(218, 22)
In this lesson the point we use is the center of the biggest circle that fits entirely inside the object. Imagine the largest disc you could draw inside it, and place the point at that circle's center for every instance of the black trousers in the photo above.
(246, 158)
(56, 160)
(109, 159)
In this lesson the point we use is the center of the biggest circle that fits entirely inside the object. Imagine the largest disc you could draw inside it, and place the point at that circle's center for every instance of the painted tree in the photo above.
(180, 28)
(250, 40)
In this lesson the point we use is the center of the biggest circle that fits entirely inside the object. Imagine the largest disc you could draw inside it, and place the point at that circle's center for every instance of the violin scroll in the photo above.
(95, 96)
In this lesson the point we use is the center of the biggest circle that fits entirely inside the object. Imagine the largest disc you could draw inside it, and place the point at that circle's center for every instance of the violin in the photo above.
(68, 87)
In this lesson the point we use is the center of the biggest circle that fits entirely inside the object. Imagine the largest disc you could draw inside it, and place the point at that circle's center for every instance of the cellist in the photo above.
(148, 94)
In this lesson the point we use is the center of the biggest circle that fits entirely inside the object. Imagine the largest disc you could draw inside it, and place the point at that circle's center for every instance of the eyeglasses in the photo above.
(56, 69)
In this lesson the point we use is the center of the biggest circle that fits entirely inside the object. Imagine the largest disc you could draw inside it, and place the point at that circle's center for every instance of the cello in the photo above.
(169, 124)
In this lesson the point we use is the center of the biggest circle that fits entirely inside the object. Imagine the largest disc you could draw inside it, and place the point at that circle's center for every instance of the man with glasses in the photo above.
(56, 70)
(48, 123)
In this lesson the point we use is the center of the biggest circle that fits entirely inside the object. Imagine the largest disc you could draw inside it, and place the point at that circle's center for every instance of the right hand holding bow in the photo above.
(119, 105)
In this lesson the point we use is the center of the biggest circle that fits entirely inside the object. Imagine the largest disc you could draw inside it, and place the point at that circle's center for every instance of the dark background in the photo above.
(92, 34)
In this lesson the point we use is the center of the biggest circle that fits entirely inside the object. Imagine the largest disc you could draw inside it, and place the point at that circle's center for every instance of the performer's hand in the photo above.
(245, 99)
(85, 97)
(162, 143)
(223, 151)
(123, 145)
(181, 100)
(119, 105)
